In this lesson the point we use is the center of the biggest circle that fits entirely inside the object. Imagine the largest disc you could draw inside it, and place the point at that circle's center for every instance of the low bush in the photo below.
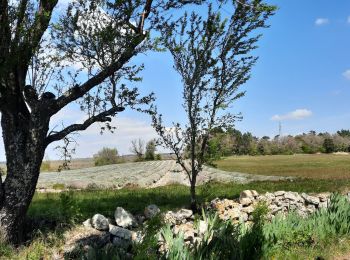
(106, 156)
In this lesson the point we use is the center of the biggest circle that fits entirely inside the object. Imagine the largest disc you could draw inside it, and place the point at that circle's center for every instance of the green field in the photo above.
(49, 205)
(315, 166)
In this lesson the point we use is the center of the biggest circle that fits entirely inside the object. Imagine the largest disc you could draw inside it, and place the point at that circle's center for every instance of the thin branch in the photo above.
(102, 117)
(76, 93)
(145, 14)
(21, 14)
(38, 28)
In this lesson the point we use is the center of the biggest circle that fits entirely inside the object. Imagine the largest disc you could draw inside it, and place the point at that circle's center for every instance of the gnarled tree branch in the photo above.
(37, 30)
(102, 117)
(78, 92)
(5, 35)
(21, 14)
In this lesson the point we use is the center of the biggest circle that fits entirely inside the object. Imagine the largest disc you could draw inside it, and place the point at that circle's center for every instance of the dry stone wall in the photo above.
(122, 230)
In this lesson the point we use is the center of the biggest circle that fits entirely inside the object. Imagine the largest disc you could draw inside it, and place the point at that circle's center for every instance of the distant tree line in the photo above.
(142, 151)
(233, 142)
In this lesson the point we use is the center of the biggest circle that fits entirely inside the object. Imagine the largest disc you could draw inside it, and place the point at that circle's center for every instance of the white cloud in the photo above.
(346, 74)
(91, 140)
(297, 114)
(321, 21)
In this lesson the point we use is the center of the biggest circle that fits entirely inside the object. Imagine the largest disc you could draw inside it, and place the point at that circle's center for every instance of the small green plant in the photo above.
(58, 186)
(5, 249)
(220, 241)
(107, 253)
(177, 248)
(148, 248)
(252, 239)
(69, 209)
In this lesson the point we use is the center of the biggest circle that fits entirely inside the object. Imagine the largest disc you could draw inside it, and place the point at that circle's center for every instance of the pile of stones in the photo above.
(279, 202)
(121, 232)
(103, 233)
(240, 211)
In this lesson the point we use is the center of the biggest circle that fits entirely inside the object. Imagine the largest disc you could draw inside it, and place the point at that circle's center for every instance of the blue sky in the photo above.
(302, 78)
(303, 58)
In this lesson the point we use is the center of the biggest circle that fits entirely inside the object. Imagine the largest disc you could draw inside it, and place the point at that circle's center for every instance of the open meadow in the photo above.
(313, 166)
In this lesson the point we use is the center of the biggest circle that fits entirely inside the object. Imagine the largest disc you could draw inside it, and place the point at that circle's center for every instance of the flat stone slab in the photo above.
(143, 174)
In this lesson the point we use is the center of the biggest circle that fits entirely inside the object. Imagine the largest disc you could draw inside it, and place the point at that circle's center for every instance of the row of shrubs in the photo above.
(233, 142)
(107, 156)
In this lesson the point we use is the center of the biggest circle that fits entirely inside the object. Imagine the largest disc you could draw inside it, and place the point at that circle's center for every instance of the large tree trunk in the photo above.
(24, 140)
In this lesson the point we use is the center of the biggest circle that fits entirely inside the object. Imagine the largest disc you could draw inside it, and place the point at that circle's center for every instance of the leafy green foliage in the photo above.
(106, 156)
(148, 248)
(328, 145)
(150, 151)
(220, 241)
(252, 238)
(284, 233)
(68, 208)
(233, 142)
(177, 248)
(214, 58)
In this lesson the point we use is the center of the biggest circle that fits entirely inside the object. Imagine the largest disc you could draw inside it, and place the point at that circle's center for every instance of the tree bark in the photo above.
(193, 194)
(24, 136)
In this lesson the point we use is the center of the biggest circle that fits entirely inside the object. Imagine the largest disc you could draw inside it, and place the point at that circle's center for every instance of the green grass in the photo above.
(317, 166)
(90, 202)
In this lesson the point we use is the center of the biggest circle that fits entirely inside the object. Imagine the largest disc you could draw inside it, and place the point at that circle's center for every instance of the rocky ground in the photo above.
(142, 174)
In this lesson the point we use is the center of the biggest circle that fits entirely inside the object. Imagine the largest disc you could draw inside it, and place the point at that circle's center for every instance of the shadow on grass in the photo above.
(77, 206)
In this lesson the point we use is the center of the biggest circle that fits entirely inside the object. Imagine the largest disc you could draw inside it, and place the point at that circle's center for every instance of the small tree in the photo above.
(213, 59)
(87, 51)
(150, 150)
(106, 156)
(138, 148)
(328, 145)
